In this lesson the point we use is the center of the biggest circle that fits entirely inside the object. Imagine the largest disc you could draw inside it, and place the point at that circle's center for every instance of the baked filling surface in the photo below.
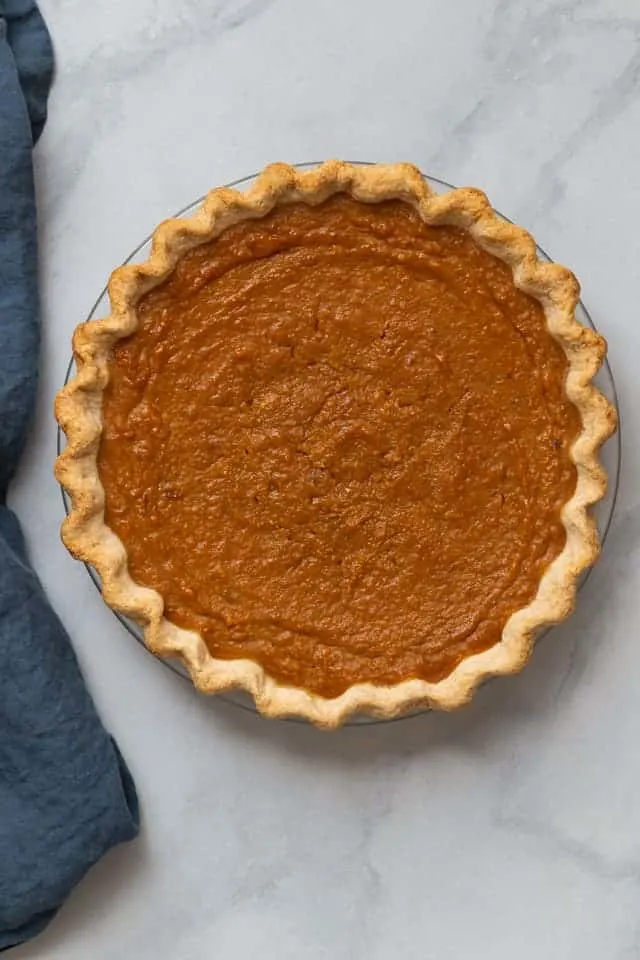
(338, 445)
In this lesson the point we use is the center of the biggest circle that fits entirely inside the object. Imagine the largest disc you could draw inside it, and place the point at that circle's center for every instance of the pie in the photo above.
(336, 443)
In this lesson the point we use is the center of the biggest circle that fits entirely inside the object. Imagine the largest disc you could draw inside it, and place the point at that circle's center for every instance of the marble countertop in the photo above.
(510, 829)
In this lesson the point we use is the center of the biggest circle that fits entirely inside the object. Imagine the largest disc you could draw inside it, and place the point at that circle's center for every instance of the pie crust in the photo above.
(79, 404)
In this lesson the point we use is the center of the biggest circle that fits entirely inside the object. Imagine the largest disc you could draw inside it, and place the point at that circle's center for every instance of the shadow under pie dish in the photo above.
(336, 443)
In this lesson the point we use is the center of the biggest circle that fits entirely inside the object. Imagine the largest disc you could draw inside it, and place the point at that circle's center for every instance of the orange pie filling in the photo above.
(339, 445)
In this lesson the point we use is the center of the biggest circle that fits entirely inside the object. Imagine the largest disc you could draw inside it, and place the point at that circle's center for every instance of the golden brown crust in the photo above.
(79, 404)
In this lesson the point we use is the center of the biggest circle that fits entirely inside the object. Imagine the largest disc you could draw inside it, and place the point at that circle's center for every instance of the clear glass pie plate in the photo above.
(610, 455)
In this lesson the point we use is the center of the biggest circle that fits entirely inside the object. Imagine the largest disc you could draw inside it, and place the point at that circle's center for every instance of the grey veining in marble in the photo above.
(509, 830)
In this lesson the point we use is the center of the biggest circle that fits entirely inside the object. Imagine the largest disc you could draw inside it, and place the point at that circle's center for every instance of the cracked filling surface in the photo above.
(339, 445)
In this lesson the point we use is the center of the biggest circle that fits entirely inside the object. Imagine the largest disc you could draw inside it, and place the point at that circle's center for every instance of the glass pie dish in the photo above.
(610, 455)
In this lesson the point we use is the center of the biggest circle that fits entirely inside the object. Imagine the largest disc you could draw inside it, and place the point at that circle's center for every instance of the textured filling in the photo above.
(338, 444)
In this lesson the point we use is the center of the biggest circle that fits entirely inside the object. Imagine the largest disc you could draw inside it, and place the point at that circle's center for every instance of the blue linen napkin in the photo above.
(66, 795)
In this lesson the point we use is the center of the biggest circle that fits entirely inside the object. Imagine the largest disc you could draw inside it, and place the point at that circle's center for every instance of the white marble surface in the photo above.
(509, 830)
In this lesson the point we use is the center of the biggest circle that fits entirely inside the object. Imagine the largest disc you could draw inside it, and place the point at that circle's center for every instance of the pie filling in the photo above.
(339, 445)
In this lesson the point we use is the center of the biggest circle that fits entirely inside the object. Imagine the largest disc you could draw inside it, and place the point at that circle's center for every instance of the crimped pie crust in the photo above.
(79, 412)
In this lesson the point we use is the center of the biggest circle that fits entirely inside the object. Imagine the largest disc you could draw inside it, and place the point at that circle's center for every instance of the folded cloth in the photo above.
(66, 795)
